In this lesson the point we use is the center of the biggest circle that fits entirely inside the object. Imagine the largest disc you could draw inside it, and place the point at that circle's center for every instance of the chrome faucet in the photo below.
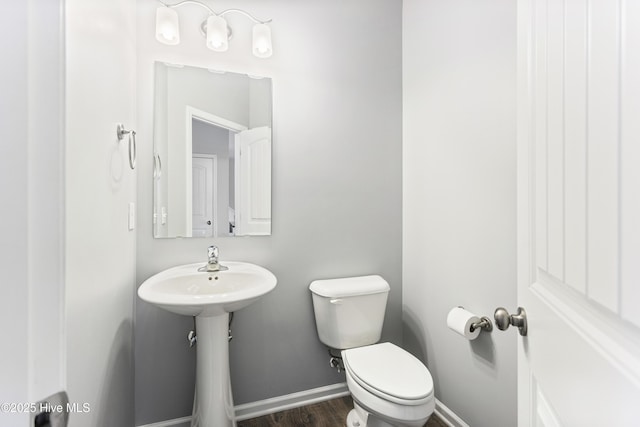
(212, 254)
(212, 262)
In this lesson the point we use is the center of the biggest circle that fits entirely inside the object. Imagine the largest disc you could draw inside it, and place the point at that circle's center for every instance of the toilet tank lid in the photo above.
(349, 286)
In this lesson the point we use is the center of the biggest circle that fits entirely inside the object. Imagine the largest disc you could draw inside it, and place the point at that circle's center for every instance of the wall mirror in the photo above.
(212, 153)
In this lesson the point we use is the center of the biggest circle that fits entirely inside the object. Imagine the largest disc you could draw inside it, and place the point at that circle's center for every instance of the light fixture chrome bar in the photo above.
(247, 14)
(189, 2)
(224, 12)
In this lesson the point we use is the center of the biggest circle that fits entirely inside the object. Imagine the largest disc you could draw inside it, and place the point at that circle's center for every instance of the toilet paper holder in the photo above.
(484, 323)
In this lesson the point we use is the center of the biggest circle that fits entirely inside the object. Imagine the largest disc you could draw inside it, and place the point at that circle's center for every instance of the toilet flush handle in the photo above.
(335, 301)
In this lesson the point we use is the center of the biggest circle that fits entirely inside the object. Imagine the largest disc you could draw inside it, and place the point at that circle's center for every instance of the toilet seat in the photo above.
(390, 373)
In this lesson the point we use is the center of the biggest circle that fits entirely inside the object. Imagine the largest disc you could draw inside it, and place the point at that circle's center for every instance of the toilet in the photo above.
(389, 386)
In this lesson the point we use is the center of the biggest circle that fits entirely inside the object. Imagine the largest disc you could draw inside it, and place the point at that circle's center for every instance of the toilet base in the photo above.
(358, 417)
(353, 420)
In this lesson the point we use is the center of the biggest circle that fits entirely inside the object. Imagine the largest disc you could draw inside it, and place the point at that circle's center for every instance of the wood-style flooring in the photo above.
(332, 413)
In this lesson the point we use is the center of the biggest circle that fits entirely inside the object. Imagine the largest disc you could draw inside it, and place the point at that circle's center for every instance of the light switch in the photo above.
(132, 215)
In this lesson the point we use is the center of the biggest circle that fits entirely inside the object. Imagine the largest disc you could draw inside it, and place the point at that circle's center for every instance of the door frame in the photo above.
(203, 116)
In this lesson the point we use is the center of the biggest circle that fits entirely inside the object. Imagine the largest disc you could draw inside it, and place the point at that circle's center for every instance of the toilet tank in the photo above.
(349, 311)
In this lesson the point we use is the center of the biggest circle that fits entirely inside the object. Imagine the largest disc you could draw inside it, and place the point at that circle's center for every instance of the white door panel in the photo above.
(578, 212)
(253, 182)
(203, 196)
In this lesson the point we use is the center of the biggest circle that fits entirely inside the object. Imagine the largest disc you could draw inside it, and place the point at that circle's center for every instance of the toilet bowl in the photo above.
(389, 386)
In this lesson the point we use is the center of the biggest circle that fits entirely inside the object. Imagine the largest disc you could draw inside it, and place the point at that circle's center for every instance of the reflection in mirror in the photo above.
(212, 153)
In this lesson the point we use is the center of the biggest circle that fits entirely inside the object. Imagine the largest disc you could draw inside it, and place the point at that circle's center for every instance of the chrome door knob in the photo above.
(504, 319)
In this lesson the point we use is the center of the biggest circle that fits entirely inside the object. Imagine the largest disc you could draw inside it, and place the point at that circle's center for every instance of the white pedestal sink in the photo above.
(210, 296)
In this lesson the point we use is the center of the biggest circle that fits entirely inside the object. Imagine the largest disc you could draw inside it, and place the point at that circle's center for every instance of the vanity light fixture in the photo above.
(215, 28)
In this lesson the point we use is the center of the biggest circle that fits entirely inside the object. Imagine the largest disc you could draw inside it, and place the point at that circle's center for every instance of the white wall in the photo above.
(14, 210)
(46, 195)
(100, 250)
(97, 300)
(31, 183)
(459, 197)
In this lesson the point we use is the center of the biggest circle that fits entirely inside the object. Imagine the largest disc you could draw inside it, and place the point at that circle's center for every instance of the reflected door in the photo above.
(204, 196)
(253, 181)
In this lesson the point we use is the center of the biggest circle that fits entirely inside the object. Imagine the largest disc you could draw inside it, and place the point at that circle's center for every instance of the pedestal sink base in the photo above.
(213, 401)
(210, 296)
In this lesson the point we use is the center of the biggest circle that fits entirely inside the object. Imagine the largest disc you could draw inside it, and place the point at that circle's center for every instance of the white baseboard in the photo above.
(448, 416)
(275, 404)
(289, 401)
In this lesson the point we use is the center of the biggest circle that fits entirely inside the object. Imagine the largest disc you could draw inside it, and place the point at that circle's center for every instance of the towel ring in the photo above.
(133, 155)
(157, 166)
(121, 132)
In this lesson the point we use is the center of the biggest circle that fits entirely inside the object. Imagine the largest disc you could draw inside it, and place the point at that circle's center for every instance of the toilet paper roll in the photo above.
(460, 320)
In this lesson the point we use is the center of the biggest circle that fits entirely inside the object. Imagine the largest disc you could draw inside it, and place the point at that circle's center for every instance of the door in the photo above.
(204, 196)
(253, 182)
(579, 212)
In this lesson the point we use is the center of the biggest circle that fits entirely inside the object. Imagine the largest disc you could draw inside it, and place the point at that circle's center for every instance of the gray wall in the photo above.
(336, 192)
(459, 200)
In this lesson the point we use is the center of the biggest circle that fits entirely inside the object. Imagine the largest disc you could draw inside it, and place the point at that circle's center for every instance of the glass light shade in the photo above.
(262, 41)
(167, 27)
(217, 33)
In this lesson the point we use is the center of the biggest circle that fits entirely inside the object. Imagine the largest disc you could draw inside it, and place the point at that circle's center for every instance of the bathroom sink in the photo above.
(210, 296)
(185, 290)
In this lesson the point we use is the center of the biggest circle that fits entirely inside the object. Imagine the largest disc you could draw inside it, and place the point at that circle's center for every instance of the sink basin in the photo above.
(185, 290)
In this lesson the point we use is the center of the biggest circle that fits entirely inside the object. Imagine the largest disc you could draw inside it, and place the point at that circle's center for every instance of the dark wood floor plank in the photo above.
(332, 413)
